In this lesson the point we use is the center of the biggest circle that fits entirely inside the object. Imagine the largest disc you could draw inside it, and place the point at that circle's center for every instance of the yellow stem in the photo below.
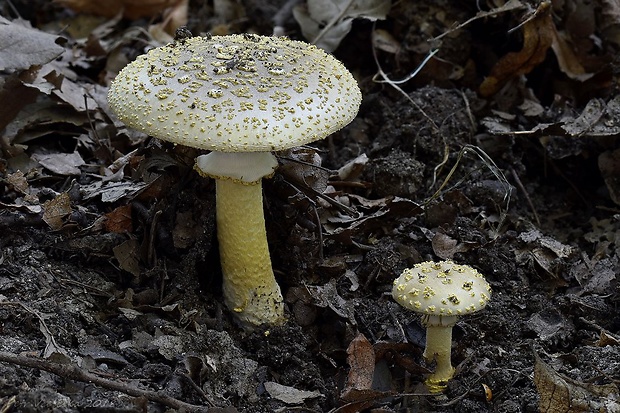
(249, 286)
(439, 348)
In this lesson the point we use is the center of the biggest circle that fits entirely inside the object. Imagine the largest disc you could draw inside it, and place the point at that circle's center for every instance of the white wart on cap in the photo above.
(236, 93)
(442, 289)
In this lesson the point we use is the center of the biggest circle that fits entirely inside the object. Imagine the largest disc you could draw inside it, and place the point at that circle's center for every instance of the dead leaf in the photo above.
(75, 95)
(327, 296)
(585, 122)
(402, 354)
(289, 395)
(56, 210)
(359, 389)
(61, 163)
(44, 117)
(567, 60)
(561, 394)
(444, 246)
(361, 360)
(173, 18)
(127, 254)
(538, 34)
(302, 166)
(119, 220)
(596, 120)
(388, 210)
(596, 277)
(327, 22)
(22, 46)
(112, 191)
(18, 181)
(311, 29)
(550, 325)
(353, 169)
(14, 91)
(545, 251)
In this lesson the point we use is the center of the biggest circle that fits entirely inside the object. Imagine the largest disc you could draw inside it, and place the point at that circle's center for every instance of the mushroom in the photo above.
(441, 291)
(241, 97)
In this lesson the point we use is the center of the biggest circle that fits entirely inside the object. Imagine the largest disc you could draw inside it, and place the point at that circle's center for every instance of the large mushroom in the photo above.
(241, 97)
(441, 292)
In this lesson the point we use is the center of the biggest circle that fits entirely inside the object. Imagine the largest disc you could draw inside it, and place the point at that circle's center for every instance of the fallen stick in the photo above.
(71, 372)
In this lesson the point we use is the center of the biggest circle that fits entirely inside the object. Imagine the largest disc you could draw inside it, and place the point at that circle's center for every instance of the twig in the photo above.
(68, 371)
(196, 388)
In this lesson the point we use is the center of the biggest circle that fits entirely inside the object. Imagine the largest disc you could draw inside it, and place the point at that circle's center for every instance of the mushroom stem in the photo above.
(249, 286)
(439, 348)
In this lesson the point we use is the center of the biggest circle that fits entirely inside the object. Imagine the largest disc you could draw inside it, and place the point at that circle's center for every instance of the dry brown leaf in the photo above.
(444, 246)
(538, 35)
(119, 220)
(127, 254)
(544, 250)
(361, 359)
(567, 60)
(358, 390)
(19, 182)
(550, 325)
(55, 210)
(561, 394)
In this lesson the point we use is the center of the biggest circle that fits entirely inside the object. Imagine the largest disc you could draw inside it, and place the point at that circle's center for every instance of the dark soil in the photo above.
(522, 184)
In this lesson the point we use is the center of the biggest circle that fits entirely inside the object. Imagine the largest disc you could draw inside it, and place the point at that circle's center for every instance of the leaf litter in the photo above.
(109, 236)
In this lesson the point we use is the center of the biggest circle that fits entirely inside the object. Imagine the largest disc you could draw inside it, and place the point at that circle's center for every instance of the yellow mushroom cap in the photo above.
(236, 93)
(441, 289)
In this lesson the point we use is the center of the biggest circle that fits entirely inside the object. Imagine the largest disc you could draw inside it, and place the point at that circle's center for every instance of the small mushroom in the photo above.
(441, 291)
(241, 97)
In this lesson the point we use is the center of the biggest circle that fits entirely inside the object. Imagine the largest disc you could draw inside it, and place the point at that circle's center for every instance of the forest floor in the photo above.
(501, 153)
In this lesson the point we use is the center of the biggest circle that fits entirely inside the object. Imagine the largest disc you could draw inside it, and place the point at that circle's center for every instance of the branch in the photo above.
(71, 372)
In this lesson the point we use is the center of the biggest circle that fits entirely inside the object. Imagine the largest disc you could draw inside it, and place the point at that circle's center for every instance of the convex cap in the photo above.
(441, 288)
(236, 93)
